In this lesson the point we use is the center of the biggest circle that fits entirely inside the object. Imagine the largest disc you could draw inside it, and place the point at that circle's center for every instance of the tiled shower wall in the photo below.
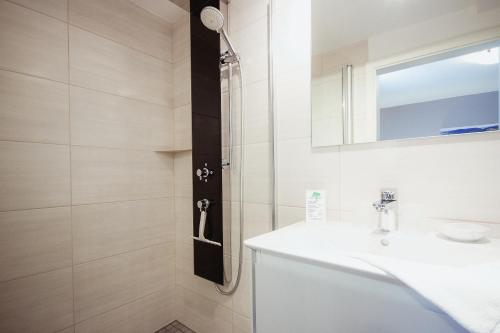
(87, 231)
(198, 305)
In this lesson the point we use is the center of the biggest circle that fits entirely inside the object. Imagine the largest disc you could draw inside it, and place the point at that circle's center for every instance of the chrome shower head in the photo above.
(212, 18)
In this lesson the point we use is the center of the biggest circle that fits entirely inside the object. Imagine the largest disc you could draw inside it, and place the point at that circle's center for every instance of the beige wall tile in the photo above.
(33, 175)
(290, 215)
(101, 64)
(186, 278)
(67, 330)
(33, 43)
(185, 275)
(258, 173)
(55, 8)
(34, 241)
(183, 134)
(201, 314)
(181, 40)
(241, 324)
(131, 25)
(105, 175)
(257, 219)
(147, 314)
(102, 230)
(183, 175)
(257, 125)
(104, 284)
(33, 109)
(40, 303)
(243, 13)
(182, 82)
(252, 45)
(242, 299)
(104, 120)
(183, 220)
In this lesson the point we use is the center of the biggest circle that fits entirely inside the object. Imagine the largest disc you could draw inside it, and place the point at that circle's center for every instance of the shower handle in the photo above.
(204, 173)
(203, 206)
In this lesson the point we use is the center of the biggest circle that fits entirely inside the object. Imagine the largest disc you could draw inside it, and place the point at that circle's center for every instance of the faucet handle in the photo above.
(388, 195)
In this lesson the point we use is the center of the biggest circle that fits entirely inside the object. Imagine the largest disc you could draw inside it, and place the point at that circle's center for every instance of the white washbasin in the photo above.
(337, 243)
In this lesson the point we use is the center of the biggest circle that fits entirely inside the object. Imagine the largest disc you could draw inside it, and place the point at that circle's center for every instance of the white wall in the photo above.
(454, 177)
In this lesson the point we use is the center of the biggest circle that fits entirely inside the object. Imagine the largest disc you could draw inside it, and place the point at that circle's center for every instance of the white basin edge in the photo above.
(335, 259)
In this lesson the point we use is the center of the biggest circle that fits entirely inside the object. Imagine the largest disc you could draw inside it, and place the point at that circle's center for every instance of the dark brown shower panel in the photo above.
(207, 146)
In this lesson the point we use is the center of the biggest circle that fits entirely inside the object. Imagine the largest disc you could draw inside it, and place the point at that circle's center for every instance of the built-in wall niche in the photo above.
(397, 70)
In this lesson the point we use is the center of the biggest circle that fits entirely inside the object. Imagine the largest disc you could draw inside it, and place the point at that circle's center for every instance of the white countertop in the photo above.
(335, 244)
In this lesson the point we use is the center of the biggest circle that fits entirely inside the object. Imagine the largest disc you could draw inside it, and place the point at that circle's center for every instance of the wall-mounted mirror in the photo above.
(400, 69)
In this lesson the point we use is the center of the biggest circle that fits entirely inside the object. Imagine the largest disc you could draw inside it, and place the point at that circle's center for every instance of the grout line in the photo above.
(35, 142)
(36, 274)
(86, 204)
(70, 172)
(37, 11)
(117, 95)
(150, 149)
(171, 26)
(123, 305)
(169, 62)
(127, 252)
(10, 70)
(69, 24)
(63, 329)
(225, 298)
(35, 208)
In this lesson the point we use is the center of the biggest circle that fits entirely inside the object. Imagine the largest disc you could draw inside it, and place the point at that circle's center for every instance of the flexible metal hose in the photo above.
(242, 154)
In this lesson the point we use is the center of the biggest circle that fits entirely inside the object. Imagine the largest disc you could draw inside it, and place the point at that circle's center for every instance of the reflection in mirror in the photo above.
(412, 69)
(451, 93)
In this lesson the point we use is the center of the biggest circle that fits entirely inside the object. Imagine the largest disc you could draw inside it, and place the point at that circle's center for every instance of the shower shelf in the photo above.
(172, 150)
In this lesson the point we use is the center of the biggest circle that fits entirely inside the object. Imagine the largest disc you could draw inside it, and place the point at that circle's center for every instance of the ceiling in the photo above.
(337, 23)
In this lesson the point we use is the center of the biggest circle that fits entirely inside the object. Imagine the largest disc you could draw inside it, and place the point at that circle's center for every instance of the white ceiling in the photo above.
(438, 80)
(164, 9)
(337, 23)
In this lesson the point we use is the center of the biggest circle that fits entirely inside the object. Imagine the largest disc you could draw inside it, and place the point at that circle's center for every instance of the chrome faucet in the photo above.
(387, 209)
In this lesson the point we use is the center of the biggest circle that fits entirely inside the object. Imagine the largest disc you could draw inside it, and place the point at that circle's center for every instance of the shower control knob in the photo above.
(203, 204)
(204, 173)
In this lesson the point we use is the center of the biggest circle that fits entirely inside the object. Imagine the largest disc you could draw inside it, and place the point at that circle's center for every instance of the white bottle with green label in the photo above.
(315, 206)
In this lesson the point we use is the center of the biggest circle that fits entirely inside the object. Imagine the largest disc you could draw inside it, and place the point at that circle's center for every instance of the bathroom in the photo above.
(238, 166)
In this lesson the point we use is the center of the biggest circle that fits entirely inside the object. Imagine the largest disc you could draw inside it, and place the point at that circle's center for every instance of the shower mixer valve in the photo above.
(203, 205)
(204, 173)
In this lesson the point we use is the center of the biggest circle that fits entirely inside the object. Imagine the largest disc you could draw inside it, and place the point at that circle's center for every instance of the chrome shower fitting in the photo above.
(213, 19)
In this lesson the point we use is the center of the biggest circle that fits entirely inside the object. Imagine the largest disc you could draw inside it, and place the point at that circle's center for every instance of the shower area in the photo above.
(136, 152)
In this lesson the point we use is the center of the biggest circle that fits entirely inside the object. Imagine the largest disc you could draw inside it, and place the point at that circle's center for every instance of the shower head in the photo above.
(212, 18)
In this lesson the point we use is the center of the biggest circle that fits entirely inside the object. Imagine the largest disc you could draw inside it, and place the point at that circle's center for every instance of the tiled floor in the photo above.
(175, 327)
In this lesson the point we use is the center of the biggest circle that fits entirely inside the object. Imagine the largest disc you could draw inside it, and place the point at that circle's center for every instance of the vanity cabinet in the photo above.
(292, 295)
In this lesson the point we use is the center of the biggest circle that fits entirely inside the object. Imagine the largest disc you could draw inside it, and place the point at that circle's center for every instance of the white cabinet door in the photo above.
(298, 297)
